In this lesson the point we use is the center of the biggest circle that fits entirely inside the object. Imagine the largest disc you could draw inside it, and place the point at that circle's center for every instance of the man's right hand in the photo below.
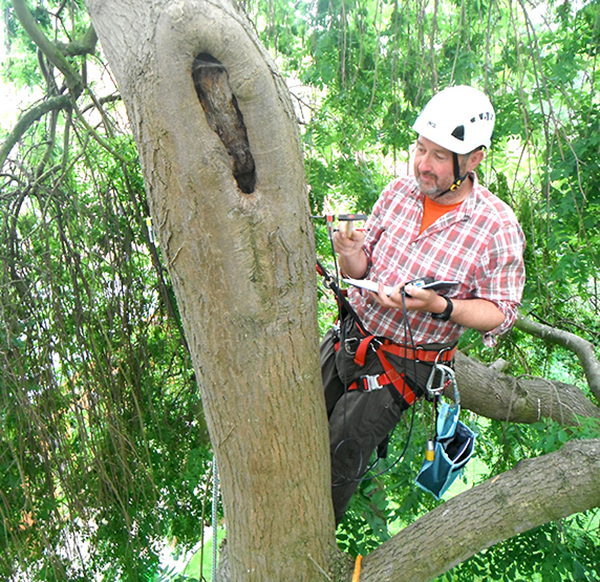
(353, 261)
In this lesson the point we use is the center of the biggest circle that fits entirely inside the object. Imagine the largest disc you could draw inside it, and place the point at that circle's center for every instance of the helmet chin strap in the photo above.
(458, 179)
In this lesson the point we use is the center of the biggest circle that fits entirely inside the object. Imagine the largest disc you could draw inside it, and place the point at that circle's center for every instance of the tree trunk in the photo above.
(225, 179)
(535, 492)
(222, 162)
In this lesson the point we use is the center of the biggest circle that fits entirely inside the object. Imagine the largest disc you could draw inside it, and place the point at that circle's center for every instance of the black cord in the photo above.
(407, 332)
(342, 336)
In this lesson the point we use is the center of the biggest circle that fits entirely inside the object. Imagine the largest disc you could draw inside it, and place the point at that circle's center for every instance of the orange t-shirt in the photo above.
(432, 211)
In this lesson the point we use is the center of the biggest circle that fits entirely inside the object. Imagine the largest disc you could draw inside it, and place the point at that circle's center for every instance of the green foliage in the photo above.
(100, 419)
(557, 552)
(104, 454)
(102, 439)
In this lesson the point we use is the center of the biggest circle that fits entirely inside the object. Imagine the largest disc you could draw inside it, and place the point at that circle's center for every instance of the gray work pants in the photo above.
(358, 421)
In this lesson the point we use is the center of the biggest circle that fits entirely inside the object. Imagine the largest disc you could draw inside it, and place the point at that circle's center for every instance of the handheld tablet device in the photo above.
(422, 283)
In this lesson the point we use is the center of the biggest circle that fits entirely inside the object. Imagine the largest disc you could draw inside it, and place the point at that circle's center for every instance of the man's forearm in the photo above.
(478, 314)
(354, 265)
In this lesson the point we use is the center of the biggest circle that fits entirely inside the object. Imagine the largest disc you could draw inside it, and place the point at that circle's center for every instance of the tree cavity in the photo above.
(224, 117)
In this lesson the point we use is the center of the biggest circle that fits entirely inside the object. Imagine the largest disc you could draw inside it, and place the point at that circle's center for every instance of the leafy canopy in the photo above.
(104, 454)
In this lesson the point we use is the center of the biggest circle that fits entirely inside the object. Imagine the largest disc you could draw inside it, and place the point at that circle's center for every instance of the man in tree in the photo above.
(438, 223)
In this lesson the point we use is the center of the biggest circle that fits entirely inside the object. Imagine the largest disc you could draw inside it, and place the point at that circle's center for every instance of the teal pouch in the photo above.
(454, 445)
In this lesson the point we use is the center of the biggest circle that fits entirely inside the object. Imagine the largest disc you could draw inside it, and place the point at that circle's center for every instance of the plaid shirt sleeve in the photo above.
(501, 276)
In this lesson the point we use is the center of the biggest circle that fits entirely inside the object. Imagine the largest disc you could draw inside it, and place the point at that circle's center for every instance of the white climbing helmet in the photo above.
(460, 119)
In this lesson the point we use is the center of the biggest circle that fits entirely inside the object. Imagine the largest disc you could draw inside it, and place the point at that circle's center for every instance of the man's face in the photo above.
(434, 168)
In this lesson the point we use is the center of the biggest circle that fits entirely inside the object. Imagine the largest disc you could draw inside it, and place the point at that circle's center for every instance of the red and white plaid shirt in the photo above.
(480, 244)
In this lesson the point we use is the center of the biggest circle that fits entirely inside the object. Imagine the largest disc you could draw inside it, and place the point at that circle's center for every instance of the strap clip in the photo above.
(371, 383)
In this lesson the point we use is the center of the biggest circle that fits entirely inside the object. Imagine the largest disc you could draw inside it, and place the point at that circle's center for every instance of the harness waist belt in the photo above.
(416, 354)
(419, 354)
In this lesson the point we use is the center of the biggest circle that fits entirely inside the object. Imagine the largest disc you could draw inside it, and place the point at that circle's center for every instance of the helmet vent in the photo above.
(459, 132)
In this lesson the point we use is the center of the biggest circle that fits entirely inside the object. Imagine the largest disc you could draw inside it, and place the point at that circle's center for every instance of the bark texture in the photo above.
(535, 492)
(492, 394)
(226, 186)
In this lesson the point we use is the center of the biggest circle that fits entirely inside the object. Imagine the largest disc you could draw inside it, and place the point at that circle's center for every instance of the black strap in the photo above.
(344, 304)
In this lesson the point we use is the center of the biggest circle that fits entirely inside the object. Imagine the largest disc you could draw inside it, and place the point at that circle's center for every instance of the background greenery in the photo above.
(104, 455)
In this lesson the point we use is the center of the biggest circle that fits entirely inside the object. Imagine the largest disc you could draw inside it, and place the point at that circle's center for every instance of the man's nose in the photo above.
(424, 163)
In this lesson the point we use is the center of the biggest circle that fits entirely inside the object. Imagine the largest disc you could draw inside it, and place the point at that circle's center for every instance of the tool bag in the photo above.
(453, 448)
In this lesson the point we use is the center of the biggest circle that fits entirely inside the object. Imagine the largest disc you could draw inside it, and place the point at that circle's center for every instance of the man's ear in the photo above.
(475, 159)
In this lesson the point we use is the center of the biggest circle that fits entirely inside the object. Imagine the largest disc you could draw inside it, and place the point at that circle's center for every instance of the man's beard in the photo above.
(431, 188)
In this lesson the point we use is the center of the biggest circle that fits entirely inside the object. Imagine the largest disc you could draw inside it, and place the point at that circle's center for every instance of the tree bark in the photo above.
(242, 264)
(490, 393)
(535, 492)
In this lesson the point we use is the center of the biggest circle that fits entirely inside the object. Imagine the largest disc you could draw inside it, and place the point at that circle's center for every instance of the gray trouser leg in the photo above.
(334, 388)
(358, 423)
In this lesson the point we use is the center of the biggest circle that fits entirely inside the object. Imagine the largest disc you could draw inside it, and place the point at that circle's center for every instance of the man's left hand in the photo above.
(417, 299)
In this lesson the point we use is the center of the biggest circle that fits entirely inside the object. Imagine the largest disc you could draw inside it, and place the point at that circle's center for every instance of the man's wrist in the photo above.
(356, 265)
(446, 313)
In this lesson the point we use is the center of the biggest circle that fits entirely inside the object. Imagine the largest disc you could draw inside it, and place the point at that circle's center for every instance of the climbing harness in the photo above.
(404, 393)
(396, 382)
(451, 446)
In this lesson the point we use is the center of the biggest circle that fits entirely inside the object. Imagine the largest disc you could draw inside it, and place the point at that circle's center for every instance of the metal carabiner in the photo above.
(446, 377)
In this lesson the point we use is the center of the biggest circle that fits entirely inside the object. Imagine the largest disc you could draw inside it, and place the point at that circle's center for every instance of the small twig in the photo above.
(320, 569)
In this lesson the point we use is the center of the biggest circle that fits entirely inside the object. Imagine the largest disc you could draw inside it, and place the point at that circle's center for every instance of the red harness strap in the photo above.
(418, 354)
(391, 375)
(361, 351)
(383, 380)
(396, 379)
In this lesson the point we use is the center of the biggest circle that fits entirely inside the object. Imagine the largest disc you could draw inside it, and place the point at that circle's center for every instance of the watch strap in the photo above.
(444, 315)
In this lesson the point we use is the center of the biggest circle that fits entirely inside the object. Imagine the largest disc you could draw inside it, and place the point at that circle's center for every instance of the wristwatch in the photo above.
(444, 315)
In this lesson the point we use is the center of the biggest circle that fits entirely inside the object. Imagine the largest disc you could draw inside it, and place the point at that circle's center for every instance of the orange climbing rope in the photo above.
(357, 564)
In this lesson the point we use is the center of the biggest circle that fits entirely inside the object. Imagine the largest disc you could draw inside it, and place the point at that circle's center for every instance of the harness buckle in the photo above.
(371, 383)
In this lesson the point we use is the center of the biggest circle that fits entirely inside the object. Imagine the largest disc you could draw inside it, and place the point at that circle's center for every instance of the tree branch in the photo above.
(492, 394)
(83, 46)
(55, 56)
(535, 492)
(583, 349)
(35, 113)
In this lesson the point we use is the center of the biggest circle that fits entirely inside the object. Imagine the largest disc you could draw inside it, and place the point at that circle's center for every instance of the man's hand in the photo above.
(417, 299)
(479, 314)
(353, 261)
